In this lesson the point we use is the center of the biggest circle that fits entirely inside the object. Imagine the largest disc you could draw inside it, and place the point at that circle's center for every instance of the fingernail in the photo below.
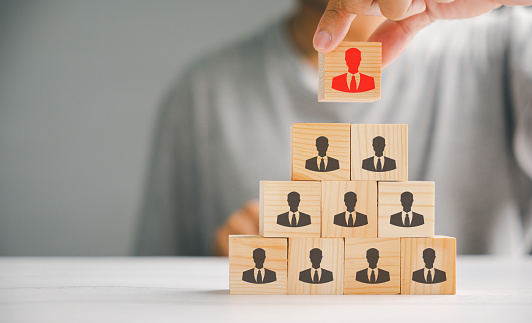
(323, 40)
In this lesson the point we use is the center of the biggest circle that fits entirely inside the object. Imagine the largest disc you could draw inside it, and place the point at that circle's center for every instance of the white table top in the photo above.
(196, 290)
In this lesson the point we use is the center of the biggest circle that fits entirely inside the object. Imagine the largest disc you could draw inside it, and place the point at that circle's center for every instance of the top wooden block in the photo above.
(313, 142)
(337, 68)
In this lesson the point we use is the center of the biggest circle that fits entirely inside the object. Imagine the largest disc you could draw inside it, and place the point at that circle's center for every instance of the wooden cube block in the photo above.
(372, 266)
(257, 265)
(349, 209)
(406, 209)
(361, 61)
(290, 209)
(379, 152)
(428, 265)
(316, 266)
(320, 151)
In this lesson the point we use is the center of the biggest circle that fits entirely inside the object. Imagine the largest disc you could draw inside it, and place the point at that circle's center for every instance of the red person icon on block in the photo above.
(353, 81)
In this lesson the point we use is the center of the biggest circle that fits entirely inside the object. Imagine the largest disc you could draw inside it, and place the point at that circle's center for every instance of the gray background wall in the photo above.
(80, 86)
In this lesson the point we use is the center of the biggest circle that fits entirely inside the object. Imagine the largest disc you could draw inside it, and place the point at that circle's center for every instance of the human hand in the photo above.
(405, 19)
(242, 221)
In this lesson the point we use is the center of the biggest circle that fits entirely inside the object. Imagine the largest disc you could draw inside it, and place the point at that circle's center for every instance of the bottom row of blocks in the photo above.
(307, 266)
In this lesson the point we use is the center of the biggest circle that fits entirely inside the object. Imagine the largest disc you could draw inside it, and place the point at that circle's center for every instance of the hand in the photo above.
(405, 19)
(242, 221)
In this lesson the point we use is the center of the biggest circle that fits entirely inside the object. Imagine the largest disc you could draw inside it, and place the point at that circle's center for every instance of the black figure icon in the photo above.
(378, 163)
(346, 219)
(322, 162)
(316, 274)
(429, 274)
(293, 218)
(372, 274)
(407, 218)
(259, 274)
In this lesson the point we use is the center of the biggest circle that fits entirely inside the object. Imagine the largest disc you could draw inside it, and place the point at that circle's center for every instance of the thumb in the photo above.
(333, 26)
(396, 35)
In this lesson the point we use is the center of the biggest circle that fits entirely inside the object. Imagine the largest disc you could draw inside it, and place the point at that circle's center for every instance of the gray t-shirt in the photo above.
(463, 87)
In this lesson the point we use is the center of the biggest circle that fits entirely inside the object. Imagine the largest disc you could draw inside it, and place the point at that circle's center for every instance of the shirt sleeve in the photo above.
(519, 58)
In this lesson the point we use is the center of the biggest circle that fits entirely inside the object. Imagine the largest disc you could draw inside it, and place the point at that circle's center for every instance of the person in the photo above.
(379, 162)
(259, 274)
(353, 81)
(407, 217)
(345, 219)
(429, 274)
(372, 274)
(293, 218)
(461, 85)
(316, 274)
(322, 162)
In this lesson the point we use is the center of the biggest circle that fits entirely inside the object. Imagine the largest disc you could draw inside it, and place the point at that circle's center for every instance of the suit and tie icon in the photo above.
(372, 274)
(353, 81)
(259, 274)
(379, 162)
(346, 219)
(407, 218)
(322, 162)
(429, 274)
(316, 274)
(293, 218)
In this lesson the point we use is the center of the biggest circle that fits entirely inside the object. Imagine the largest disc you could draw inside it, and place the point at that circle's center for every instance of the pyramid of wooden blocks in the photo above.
(349, 221)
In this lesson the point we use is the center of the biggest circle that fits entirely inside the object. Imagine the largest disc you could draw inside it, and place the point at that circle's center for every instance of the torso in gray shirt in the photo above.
(463, 87)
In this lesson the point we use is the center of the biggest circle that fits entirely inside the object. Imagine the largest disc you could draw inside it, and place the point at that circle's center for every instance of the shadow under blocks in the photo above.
(349, 221)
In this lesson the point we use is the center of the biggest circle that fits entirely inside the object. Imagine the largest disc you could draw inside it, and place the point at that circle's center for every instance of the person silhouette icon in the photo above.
(379, 162)
(407, 218)
(322, 162)
(346, 219)
(372, 274)
(293, 218)
(316, 274)
(353, 81)
(259, 274)
(429, 274)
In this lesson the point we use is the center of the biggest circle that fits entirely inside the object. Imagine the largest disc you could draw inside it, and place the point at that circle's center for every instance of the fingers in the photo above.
(400, 9)
(333, 26)
(396, 35)
(516, 2)
(251, 208)
(242, 221)
(221, 242)
(336, 20)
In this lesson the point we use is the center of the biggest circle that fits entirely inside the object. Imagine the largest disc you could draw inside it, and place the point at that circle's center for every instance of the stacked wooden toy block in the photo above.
(349, 221)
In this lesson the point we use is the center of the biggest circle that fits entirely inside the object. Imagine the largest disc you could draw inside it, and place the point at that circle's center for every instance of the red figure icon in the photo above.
(353, 81)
